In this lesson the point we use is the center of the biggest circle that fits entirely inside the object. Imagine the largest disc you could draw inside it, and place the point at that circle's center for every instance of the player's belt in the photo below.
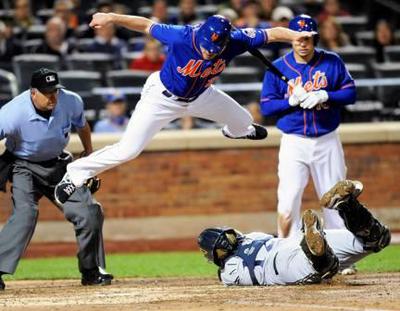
(168, 94)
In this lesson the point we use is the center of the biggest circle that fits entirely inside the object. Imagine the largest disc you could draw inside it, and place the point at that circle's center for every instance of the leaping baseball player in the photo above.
(309, 256)
(308, 115)
(184, 86)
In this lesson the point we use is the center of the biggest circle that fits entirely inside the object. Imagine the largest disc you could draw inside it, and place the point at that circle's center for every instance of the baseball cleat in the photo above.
(64, 189)
(342, 191)
(258, 133)
(96, 277)
(313, 234)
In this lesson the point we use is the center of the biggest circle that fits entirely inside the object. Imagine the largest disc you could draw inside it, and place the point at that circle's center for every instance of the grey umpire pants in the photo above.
(31, 181)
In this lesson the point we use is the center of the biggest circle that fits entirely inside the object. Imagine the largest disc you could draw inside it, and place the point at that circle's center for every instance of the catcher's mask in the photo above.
(214, 34)
(218, 243)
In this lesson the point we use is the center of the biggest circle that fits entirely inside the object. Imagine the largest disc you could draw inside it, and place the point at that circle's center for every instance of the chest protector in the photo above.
(248, 253)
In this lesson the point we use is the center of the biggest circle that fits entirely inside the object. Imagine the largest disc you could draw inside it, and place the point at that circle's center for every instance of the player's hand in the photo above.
(298, 92)
(100, 20)
(311, 99)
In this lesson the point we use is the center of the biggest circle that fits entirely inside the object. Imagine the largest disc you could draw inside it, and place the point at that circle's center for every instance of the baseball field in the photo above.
(185, 281)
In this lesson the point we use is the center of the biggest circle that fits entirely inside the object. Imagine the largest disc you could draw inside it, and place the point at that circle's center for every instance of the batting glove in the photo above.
(298, 93)
(311, 99)
(93, 184)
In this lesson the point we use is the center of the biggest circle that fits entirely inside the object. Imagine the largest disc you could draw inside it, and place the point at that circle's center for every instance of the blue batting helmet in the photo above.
(214, 34)
(304, 22)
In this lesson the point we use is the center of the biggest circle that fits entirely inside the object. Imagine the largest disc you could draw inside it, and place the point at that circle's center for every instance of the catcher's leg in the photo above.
(357, 219)
(316, 248)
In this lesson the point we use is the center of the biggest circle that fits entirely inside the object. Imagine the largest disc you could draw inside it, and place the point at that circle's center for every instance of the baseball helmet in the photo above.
(305, 22)
(218, 243)
(213, 34)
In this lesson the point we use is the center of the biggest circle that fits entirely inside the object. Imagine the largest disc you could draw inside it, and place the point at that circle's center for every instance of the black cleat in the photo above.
(2, 285)
(64, 189)
(94, 277)
(259, 133)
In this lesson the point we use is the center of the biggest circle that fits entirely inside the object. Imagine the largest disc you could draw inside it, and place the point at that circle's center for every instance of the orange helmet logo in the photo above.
(301, 23)
(214, 37)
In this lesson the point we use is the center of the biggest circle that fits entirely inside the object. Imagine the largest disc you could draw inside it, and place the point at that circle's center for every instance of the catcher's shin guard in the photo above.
(357, 219)
(316, 248)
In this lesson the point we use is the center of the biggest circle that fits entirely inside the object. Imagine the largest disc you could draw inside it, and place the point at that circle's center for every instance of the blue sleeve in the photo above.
(167, 34)
(78, 115)
(346, 96)
(251, 37)
(345, 93)
(272, 100)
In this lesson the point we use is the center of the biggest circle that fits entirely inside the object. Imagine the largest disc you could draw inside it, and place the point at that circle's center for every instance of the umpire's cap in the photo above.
(214, 33)
(45, 80)
(218, 243)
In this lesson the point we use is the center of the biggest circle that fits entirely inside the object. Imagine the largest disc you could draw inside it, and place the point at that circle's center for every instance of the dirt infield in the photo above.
(361, 292)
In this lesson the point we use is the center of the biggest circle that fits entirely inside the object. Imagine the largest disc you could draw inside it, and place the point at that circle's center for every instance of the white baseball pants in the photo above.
(152, 113)
(299, 156)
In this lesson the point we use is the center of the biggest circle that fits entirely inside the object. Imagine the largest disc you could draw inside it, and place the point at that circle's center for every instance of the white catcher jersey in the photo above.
(281, 261)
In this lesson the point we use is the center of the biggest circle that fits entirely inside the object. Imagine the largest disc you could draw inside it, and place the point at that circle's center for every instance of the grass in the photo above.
(173, 264)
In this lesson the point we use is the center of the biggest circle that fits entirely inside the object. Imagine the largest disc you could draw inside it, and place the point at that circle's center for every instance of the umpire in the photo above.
(37, 124)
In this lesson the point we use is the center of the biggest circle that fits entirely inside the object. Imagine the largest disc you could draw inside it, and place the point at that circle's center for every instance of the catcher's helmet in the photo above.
(214, 34)
(218, 243)
(305, 22)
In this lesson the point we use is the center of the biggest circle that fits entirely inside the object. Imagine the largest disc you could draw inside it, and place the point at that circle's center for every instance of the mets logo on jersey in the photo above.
(193, 68)
(319, 81)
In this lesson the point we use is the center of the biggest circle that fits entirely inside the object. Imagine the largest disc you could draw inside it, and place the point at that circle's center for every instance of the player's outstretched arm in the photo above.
(282, 34)
(136, 23)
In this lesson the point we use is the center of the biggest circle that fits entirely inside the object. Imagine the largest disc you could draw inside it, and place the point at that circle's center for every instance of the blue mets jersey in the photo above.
(326, 71)
(185, 73)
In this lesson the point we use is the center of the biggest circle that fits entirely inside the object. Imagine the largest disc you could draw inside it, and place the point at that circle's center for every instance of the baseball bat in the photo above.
(256, 53)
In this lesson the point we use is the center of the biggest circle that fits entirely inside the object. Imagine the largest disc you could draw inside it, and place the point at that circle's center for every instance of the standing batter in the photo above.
(308, 116)
(197, 56)
(310, 256)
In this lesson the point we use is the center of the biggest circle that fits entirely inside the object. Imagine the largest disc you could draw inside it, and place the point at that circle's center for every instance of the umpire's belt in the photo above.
(168, 94)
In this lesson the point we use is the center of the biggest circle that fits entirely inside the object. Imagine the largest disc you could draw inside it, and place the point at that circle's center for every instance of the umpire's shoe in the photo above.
(342, 191)
(316, 248)
(2, 285)
(258, 133)
(95, 277)
(64, 189)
